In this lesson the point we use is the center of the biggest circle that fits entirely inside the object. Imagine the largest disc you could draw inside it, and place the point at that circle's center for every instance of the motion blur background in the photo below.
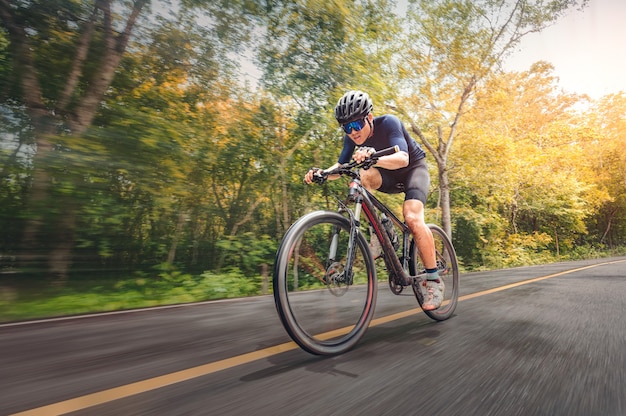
(152, 152)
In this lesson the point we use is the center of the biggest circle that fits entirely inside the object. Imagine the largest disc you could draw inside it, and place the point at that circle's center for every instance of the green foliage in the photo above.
(174, 286)
(84, 295)
(467, 238)
(229, 285)
(327, 47)
(5, 65)
(247, 252)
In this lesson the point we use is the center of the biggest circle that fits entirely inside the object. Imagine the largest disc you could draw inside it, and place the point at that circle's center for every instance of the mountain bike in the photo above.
(325, 278)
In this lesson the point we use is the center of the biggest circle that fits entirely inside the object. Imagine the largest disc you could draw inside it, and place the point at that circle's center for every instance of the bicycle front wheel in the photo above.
(324, 299)
(448, 271)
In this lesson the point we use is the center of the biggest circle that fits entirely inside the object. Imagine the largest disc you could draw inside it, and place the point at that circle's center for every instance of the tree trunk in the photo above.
(265, 283)
(34, 243)
(444, 190)
(60, 256)
(556, 241)
(608, 225)
(32, 252)
(182, 218)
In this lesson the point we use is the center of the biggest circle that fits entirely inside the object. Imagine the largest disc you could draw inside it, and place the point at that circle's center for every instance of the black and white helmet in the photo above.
(354, 105)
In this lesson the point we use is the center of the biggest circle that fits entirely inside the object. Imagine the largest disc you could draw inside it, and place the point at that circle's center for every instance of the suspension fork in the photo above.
(354, 233)
(353, 240)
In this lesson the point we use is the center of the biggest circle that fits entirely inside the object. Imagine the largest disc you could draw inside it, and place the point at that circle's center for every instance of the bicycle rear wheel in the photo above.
(324, 308)
(448, 271)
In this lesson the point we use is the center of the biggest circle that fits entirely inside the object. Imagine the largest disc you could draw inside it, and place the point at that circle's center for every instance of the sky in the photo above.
(587, 49)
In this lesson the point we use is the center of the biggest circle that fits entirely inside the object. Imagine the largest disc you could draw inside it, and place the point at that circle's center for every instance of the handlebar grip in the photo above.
(385, 152)
(319, 178)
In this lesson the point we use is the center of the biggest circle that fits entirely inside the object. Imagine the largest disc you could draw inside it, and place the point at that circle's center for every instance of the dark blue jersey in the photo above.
(388, 131)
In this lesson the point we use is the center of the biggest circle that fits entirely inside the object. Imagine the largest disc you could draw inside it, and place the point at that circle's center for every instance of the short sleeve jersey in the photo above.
(388, 131)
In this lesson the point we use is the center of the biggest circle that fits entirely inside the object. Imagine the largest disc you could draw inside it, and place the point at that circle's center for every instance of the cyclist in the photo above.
(405, 171)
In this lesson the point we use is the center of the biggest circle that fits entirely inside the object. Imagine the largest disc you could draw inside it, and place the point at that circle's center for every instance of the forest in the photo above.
(168, 139)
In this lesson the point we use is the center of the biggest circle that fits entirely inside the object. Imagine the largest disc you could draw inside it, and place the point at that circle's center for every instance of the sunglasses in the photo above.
(356, 125)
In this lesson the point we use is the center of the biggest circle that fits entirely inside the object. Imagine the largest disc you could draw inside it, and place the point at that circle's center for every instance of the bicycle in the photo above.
(325, 280)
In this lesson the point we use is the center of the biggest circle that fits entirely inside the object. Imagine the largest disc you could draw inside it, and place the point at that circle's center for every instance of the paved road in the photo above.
(552, 346)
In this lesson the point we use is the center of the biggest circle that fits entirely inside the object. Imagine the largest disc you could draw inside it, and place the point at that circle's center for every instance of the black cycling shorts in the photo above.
(414, 181)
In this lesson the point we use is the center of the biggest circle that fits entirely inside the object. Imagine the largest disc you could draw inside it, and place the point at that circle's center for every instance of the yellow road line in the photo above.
(143, 386)
(109, 395)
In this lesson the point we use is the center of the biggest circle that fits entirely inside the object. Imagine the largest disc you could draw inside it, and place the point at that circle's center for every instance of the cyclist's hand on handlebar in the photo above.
(314, 175)
(363, 153)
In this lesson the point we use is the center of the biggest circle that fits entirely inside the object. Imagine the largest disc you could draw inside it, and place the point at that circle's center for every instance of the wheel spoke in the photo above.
(324, 307)
(448, 271)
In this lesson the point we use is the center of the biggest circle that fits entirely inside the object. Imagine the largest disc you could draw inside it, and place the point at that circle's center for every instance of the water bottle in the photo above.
(391, 231)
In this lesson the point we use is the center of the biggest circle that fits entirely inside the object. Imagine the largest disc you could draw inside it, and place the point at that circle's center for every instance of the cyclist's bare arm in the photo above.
(390, 159)
(394, 161)
(308, 178)
(391, 162)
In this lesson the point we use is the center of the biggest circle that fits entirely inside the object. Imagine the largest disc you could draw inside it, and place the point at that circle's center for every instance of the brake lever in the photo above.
(368, 163)
(319, 178)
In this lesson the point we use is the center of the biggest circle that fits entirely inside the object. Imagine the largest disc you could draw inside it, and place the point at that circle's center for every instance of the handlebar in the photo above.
(348, 168)
(385, 152)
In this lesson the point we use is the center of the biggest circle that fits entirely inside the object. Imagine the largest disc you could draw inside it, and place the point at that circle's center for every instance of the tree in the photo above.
(54, 105)
(315, 49)
(452, 47)
(64, 56)
(605, 150)
(519, 170)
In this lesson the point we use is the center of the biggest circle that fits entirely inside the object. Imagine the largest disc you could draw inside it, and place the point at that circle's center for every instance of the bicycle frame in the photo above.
(367, 203)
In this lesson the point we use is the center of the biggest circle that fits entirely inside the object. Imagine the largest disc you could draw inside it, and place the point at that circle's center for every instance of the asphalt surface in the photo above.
(552, 346)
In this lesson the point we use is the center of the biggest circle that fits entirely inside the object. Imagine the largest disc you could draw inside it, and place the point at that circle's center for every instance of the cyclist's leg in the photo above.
(414, 182)
(432, 288)
(416, 186)
(413, 211)
(448, 270)
(371, 178)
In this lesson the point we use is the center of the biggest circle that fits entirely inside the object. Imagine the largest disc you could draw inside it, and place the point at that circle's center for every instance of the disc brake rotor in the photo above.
(335, 279)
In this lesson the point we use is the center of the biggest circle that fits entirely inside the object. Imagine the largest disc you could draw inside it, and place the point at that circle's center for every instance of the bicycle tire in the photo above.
(322, 314)
(448, 266)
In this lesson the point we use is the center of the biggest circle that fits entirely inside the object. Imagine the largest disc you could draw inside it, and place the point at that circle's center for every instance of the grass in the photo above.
(23, 298)
(31, 298)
